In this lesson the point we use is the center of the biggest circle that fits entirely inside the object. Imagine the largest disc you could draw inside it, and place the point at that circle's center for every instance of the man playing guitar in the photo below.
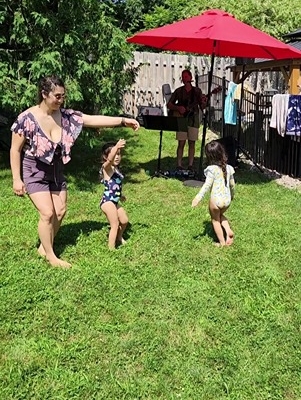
(187, 101)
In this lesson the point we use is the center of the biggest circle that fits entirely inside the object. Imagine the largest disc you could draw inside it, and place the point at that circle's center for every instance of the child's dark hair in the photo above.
(106, 148)
(105, 151)
(216, 155)
(47, 84)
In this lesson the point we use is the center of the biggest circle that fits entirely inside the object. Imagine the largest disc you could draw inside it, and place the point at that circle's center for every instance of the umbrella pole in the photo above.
(206, 116)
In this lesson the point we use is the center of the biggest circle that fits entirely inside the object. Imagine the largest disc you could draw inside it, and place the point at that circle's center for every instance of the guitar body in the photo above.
(190, 110)
(174, 113)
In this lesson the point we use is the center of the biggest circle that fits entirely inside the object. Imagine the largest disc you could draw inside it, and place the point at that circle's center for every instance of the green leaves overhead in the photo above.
(80, 42)
(85, 42)
(275, 17)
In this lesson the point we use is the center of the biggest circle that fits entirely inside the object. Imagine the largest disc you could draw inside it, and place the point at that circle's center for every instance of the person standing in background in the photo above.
(187, 101)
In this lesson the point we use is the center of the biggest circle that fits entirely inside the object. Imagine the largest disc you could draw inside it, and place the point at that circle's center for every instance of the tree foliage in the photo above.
(84, 42)
(130, 13)
(79, 41)
(275, 17)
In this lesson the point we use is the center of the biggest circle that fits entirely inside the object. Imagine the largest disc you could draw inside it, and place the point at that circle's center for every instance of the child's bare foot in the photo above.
(219, 244)
(41, 251)
(230, 238)
(57, 262)
(121, 241)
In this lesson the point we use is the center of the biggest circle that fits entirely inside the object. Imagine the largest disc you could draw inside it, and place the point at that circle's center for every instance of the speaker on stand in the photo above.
(230, 144)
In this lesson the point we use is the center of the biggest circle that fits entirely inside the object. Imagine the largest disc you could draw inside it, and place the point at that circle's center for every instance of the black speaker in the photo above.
(244, 61)
(230, 145)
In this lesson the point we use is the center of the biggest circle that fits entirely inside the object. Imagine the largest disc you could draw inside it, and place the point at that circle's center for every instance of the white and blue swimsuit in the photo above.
(221, 191)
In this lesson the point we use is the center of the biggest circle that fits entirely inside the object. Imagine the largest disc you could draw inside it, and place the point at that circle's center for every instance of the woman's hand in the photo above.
(131, 123)
(19, 187)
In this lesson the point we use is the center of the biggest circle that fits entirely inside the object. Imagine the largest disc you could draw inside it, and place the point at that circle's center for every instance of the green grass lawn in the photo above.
(168, 315)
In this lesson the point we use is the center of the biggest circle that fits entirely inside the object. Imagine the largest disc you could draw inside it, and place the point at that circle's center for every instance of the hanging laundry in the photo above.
(279, 113)
(293, 123)
(230, 112)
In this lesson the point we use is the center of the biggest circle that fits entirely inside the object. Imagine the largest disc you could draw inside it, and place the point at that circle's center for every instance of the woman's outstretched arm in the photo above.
(103, 121)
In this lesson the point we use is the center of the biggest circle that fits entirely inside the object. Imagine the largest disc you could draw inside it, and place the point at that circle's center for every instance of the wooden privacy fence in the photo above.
(157, 69)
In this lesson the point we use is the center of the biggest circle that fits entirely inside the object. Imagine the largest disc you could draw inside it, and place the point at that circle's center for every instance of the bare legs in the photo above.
(191, 152)
(221, 223)
(229, 233)
(180, 152)
(52, 209)
(118, 220)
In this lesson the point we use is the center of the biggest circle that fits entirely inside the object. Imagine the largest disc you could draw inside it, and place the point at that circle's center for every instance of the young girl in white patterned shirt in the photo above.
(220, 180)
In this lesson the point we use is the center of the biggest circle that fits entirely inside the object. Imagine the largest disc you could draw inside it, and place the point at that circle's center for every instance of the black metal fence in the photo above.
(262, 144)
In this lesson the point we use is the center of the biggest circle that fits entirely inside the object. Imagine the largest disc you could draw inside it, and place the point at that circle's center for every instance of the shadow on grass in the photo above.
(69, 233)
(167, 164)
(207, 231)
(244, 174)
(250, 175)
(131, 228)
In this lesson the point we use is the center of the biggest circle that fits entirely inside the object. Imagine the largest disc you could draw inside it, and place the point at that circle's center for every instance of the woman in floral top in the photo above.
(41, 144)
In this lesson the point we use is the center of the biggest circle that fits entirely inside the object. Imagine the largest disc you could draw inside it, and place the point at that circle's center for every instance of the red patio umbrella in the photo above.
(215, 33)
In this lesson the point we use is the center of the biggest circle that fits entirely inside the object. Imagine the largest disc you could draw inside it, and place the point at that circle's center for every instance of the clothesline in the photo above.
(286, 111)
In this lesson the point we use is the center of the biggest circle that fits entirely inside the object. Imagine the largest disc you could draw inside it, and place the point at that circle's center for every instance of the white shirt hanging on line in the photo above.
(279, 113)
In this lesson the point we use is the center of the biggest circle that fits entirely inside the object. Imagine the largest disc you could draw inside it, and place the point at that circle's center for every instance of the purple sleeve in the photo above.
(73, 122)
(23, 125)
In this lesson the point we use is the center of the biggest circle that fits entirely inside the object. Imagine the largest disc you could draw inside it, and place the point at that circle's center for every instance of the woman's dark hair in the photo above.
(216, 155)
(47, 84)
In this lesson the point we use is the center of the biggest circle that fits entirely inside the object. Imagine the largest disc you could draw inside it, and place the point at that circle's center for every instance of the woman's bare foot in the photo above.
(57, 262)
(230, 238)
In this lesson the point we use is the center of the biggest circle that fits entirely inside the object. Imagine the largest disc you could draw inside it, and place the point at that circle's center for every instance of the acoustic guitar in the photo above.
(189, 110)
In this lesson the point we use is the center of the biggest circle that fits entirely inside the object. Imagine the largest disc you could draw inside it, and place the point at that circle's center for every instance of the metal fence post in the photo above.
(223, 106)
(258, 119)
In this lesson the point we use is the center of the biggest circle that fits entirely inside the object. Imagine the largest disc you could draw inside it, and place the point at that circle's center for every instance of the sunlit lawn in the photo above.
(168, 315)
